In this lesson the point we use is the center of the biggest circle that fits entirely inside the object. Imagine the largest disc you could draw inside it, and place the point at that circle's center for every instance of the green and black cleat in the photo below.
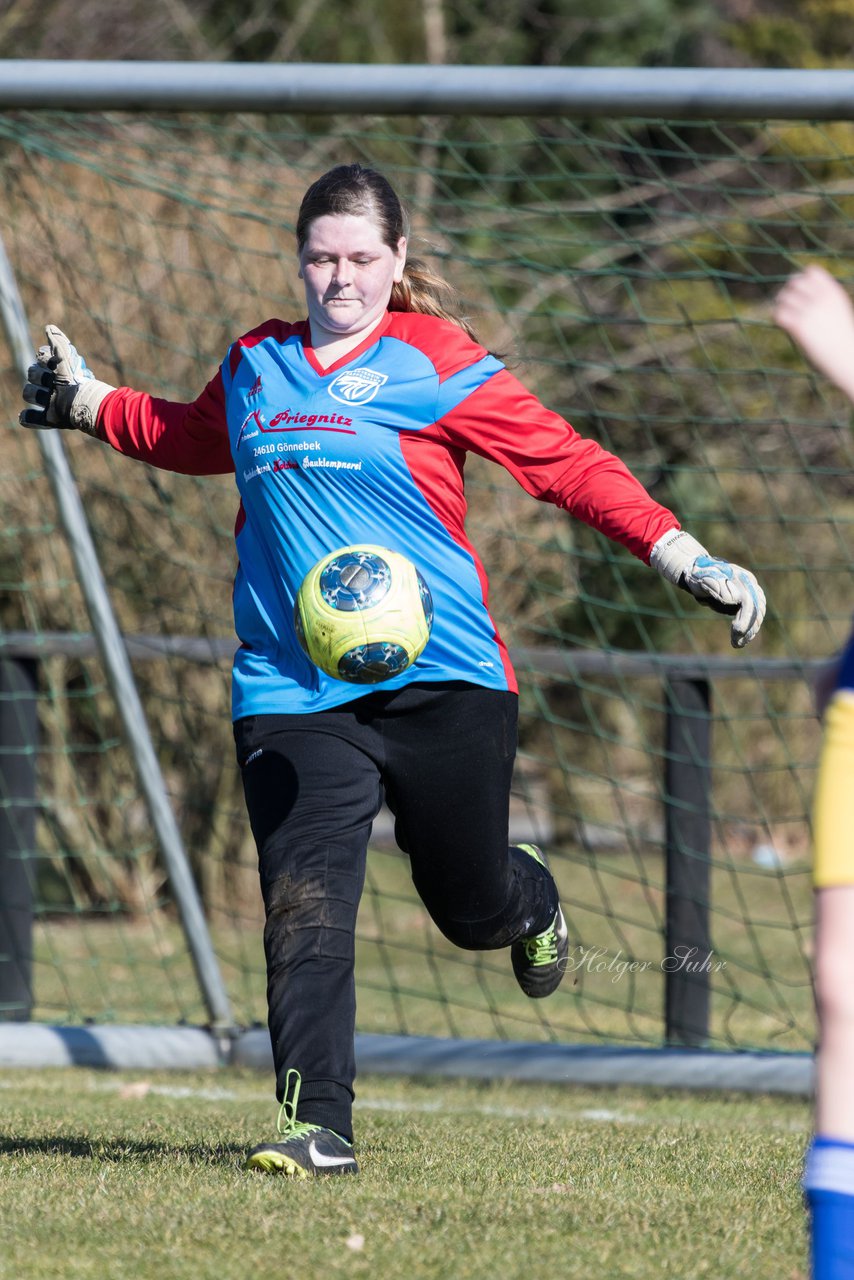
(303, 1150)
(539, 962)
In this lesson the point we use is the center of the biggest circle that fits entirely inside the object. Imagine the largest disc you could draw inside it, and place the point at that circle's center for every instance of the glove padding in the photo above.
(724, 587)
(60, 383)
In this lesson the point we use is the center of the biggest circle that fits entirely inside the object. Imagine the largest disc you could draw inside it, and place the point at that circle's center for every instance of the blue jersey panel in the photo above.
(319, 465)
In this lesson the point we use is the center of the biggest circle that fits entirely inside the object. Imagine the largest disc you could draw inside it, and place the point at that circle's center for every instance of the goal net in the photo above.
(625, 270)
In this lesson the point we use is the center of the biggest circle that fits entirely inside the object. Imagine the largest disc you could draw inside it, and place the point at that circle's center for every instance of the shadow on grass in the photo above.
(121, 1149)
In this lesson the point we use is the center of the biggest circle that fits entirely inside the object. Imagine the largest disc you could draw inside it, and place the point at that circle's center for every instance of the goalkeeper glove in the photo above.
(63, 387)
(724, 587)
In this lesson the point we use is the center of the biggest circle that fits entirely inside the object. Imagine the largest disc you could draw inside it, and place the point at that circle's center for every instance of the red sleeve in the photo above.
(505, 422)
(189, 438)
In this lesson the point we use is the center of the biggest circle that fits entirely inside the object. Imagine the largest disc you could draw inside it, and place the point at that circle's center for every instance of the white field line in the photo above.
(142, 1088)
(395, 1105)
(602, 1115)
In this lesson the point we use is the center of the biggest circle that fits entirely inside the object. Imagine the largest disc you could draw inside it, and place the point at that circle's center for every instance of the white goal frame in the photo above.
(682, 93)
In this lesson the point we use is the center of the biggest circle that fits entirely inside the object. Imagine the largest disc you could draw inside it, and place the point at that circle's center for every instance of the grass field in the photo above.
(139, 1178)
(108, 1176)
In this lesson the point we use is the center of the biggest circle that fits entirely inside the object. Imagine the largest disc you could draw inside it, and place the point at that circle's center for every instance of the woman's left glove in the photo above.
(724, 587)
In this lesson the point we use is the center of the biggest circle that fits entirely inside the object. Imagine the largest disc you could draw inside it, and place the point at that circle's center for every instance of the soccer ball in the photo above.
(363, 614)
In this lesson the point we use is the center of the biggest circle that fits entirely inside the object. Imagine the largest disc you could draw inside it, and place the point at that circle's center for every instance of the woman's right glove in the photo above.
(64, 389)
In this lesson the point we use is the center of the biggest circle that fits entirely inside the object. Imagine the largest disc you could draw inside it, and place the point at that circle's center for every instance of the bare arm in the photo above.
(817, 313)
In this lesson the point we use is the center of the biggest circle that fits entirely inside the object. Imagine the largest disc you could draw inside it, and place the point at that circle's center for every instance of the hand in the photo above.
(724, 587)
(817, 313)
(63, 387)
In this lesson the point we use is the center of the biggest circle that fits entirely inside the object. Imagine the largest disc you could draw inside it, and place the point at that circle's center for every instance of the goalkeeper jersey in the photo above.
(371, 450)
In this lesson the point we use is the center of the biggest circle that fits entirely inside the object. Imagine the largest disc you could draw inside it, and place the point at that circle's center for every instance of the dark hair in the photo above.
(352, 189)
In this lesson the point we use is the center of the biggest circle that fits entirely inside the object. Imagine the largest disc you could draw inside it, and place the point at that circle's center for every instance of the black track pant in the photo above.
(443, 756)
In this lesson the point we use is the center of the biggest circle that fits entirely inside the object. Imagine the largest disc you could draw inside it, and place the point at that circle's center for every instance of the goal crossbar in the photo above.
(334, 88)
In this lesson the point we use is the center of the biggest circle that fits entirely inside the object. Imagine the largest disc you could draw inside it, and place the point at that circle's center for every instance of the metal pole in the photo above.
(689, 959)
(118, 670)
(19, 741)
(677, 93)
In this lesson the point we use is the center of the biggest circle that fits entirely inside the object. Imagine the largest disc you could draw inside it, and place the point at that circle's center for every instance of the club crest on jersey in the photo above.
(356, 386)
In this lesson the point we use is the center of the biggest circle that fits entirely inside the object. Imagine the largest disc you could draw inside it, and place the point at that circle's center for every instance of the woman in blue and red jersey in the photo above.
(352, 426)
(815, 310)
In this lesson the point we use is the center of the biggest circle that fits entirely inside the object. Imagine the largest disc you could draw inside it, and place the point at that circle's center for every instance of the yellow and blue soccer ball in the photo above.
(363, 614)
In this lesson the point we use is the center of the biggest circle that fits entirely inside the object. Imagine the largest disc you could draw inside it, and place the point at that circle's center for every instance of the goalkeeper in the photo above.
(815, 310)
(352, 426)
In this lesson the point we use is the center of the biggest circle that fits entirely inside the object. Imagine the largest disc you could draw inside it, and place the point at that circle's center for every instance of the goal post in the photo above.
(115, 661)
(618, 237)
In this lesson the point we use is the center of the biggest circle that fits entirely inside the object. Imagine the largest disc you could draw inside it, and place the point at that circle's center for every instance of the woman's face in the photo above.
(348, 271)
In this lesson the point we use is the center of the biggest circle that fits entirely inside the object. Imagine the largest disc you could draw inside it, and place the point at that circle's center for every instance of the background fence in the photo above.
(623, 259)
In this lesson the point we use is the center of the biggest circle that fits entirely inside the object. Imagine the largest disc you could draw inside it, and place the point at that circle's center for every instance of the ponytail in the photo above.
(424, 290)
